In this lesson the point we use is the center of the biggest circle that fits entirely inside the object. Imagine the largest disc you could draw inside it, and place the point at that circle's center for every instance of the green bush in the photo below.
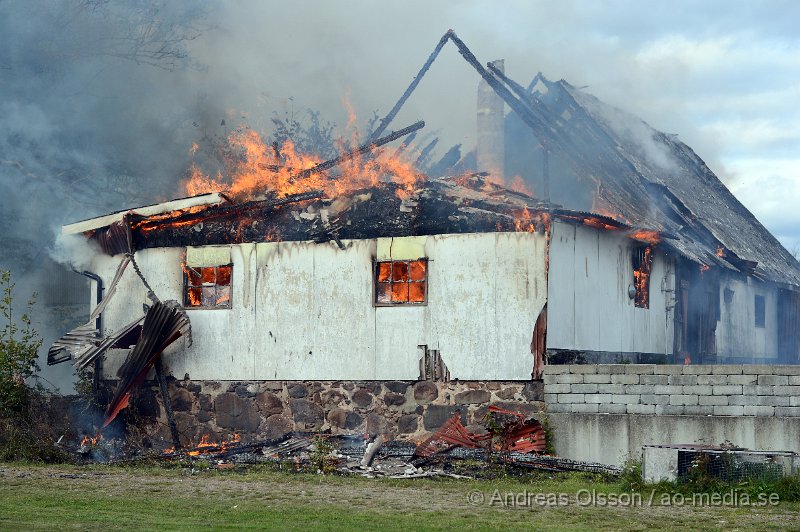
(320, 455)
(19, 347)
(24, 428)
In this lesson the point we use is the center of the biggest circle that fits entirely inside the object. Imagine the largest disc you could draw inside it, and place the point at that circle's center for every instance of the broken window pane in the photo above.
(399, 271)
(209, 296)
(416, 292)
(223, 295)
(208, 286)
(194, 277)
(401, 282)
(195, 297)
(384, 293)
(416, 270)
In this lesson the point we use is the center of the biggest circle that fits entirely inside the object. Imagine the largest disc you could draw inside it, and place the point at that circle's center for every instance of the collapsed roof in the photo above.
(606, 168)
(648, 178)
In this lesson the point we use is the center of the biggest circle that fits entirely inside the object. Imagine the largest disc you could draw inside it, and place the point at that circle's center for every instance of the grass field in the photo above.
(113, 497)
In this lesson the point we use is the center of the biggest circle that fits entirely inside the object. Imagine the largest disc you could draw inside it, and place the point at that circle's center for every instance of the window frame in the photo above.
(645, 255)
(375, 283)
(186, 287)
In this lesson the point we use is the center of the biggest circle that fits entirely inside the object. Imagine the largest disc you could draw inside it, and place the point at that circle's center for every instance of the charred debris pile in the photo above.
(510, 444)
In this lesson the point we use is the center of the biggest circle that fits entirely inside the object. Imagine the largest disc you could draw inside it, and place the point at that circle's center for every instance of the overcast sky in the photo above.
(723, 75)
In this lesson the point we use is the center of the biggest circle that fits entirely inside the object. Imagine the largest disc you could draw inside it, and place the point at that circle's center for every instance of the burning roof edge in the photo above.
(201, 200)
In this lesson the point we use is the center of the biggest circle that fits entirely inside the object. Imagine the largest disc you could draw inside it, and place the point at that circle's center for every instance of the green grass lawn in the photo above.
(114, 497)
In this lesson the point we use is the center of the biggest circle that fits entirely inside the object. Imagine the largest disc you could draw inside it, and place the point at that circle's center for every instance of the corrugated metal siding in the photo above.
(588, 304)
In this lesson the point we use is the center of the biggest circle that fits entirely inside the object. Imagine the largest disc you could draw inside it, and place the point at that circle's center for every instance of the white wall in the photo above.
(589, 307)
(302, 310)
(737, 335)
(612, 438)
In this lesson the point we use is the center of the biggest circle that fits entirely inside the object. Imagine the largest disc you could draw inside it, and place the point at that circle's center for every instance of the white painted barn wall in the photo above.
(737, 334)
(302, 310)
(589, 307)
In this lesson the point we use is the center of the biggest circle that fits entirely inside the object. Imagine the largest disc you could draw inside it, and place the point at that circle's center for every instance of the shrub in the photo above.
(19, 347)
(24, 427)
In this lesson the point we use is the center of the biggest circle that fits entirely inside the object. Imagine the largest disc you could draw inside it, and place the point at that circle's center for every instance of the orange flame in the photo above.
(518, 185)
(641, 278)
(646, 235)
(257, 167)
(206, 446)
(91, 441)
(529, 223)
(525, 222)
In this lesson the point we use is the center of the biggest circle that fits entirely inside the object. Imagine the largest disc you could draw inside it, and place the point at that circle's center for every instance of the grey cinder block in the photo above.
(683, 399)
(556, 388)
(641, 409)
(682, 379)
(717, 379)
(654, 399)
(626, 399)
(583, 388)
(713, 400)
(612, 408)
(571, 398)
(697, 410)
(654, 379)
(728, 410)
(584, 408)
(727, 389)
(727, 369)
(598, 397)
(624, 379)
(750, 410)
(669, 410)
(773, 380)
(668, 390)
(597, 379)
(742, 379)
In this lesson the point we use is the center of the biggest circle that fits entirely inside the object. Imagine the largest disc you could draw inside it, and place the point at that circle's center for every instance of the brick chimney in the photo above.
(490, 151)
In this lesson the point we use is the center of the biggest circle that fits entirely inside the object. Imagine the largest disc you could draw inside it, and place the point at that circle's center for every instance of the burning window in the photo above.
(760, 312)
(401, 282)
(208, 286)
(642, 263)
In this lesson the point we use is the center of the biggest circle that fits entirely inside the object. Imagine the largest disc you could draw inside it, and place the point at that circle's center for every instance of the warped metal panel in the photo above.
(164, 323)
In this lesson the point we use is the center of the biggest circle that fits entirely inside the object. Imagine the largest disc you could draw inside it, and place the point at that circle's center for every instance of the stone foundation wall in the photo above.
(264, 410)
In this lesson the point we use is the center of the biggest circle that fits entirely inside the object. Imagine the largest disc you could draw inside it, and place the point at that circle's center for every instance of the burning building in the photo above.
(381, 299)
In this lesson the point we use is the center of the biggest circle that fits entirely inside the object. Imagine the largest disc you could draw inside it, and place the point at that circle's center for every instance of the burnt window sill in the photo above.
(219, 307)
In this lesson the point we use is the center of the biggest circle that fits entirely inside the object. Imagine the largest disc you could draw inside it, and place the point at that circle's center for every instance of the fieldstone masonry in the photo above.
(717, 390)
(264, 410)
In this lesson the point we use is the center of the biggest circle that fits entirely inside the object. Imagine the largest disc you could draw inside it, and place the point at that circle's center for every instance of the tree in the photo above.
(19, 346)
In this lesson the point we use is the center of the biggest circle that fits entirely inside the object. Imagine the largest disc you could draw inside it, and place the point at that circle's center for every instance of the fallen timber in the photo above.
(393, 459)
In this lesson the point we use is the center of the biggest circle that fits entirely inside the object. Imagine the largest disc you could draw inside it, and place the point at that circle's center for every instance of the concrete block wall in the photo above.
(712, 390)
